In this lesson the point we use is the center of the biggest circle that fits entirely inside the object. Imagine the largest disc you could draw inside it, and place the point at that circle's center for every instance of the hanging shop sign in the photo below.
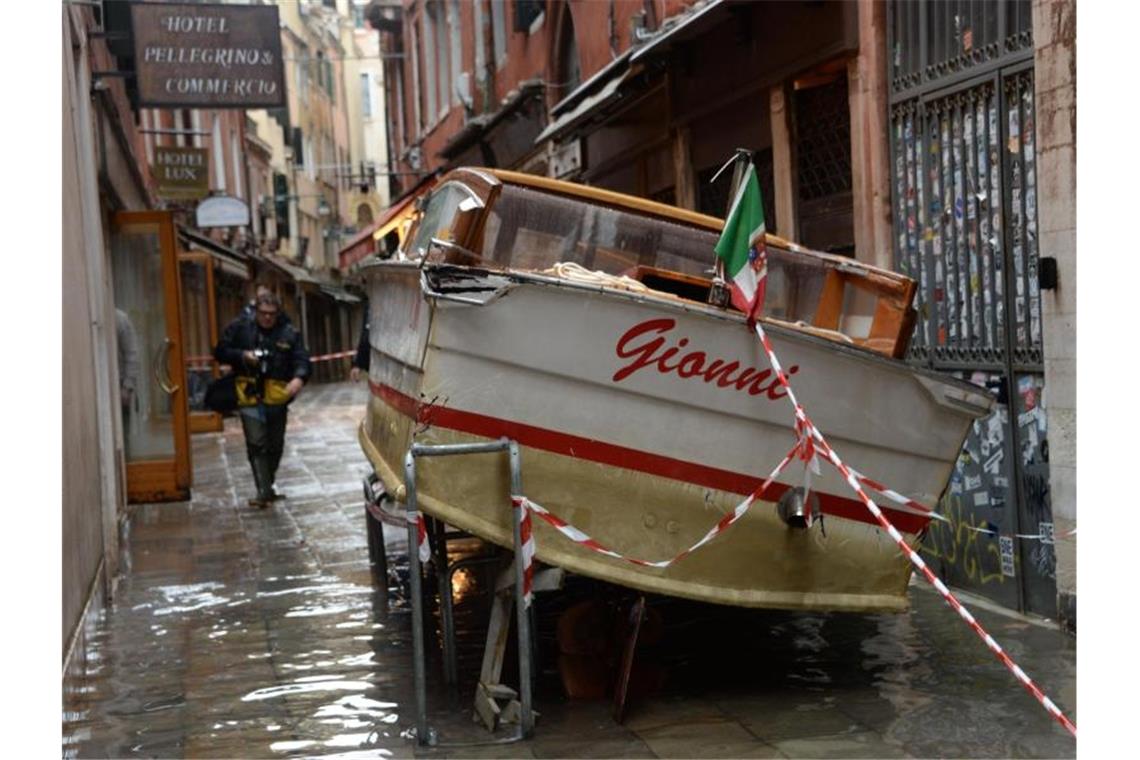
(208, 56)
(222, 211)
(181, 173)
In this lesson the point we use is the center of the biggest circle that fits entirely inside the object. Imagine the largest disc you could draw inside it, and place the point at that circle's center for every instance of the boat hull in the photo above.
(633, 433)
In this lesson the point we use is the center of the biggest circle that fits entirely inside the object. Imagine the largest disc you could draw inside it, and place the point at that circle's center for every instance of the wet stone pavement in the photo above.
(243, 633)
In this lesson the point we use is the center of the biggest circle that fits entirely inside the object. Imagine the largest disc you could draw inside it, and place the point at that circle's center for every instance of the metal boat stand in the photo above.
(425, 735)
(374, 514)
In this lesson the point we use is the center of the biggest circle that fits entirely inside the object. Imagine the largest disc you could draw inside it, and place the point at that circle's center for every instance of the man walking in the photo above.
(271, 364)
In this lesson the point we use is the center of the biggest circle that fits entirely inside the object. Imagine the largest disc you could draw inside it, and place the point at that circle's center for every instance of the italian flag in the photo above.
(741, 246)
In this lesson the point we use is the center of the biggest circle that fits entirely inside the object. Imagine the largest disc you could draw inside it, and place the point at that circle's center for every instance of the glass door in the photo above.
(200, 334)
(154, 410)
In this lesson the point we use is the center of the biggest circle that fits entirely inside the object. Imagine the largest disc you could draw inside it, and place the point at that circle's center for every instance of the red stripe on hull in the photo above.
(627, 458)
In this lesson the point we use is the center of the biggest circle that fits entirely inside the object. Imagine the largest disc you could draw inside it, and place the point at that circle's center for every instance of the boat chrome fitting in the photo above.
(793, 507)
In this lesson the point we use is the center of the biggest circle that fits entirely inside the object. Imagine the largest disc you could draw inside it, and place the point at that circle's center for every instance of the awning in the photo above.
(596, 96)
(231, 261)
(299, 274)
(685, 27)
(612, 70)
(587, 107)
(475, 129)
(339, 293)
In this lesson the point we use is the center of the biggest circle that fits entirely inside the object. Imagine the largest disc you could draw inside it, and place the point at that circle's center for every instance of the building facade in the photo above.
(147, 288)
(103, 173)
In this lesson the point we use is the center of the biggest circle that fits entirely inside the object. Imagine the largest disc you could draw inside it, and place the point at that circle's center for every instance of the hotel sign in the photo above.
(222, 211)
(208, 56)
(181, 173)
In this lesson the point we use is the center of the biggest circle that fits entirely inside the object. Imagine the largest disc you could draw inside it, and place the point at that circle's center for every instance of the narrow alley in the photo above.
(245, 633)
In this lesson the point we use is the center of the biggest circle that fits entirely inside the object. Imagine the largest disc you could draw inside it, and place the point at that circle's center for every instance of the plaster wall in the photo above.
(81, 520)
(1055, 77)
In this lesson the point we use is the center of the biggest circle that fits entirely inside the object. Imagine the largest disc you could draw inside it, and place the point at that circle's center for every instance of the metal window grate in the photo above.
(933, 40)
(823, 140)
(959, 160)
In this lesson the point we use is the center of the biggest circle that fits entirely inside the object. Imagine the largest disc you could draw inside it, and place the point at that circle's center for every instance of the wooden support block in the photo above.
(486, 710)
(499, 691)
(549, 579)
(511, 712)
(496, 645)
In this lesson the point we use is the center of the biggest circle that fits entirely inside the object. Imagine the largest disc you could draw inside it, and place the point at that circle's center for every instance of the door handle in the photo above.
(161, 368)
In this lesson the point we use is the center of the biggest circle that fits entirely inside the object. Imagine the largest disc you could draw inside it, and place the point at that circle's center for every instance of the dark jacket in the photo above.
(285, 359)
(363, 356)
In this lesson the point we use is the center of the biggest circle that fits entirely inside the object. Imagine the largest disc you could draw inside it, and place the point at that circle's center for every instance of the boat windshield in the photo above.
(533, 229)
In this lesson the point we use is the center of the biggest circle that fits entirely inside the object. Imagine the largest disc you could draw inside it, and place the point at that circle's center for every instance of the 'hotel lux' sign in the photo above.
(181, 173)
(208, 56)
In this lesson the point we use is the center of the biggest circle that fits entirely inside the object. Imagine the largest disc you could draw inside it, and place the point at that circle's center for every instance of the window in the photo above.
(302, 67)
(366, 94)
(569, 68)
(363, 215)
(416, 114)
(499, 31)
(441, 50)
(429, 86)
(480, 46)
(453, 24)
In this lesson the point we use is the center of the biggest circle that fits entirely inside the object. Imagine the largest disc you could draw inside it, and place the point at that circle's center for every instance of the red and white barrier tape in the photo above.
(524, 506)
(810, 443)
(526, 538)
(912, 555)
(330, 357)
(199, 363)
(423, 548)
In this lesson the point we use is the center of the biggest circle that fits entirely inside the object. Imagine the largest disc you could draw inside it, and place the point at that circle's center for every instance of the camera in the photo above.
(261, 356)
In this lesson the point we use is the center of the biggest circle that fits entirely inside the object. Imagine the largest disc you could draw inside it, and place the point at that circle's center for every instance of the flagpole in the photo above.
(719, 293)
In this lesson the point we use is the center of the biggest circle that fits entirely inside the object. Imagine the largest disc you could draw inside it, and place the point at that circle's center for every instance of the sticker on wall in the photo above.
(993, 464)
(1014, 132)
(973, 482)
(982, 499)
(1045, 530)
(1029, 445)
(1005, 544)
(1027, 390)
(1001, 482)
(997, 498)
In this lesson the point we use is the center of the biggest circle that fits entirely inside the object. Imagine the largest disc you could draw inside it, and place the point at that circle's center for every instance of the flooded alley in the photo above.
(237, 632)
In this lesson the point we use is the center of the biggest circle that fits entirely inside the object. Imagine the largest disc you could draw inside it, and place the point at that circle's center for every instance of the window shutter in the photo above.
(281, 203)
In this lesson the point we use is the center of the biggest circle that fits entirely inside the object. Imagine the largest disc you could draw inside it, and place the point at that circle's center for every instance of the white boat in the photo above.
(644, 414)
